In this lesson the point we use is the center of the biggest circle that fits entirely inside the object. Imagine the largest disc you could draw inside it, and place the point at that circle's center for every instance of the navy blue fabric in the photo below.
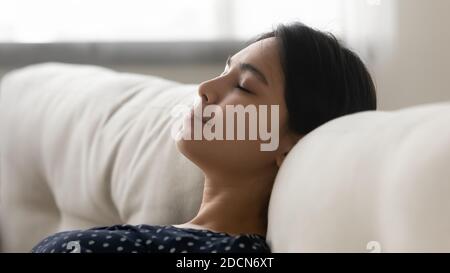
(150, 239)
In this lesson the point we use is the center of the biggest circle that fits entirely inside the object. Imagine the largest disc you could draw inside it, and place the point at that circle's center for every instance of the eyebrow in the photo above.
(252, 69)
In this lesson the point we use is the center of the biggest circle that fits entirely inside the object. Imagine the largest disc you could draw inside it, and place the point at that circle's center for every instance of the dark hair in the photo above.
(323, 79)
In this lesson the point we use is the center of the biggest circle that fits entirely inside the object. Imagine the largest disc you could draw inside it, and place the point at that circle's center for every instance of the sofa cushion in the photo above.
(372, 181)
(84, 146)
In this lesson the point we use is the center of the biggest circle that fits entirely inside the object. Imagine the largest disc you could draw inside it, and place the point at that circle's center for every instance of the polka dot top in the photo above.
(150, 239)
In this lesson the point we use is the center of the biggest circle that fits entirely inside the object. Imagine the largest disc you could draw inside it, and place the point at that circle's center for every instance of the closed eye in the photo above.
(243, 89)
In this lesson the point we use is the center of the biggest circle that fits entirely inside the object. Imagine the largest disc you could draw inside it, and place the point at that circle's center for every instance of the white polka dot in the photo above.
(91, 242)
(214, 251)
(172, 250)
(225, 240)
(119, 248)
(88, 251)
(195, 238)
(108, 237)
(105, 245)
(123, 239)
(209, 234)
(208, 242)
(65, 238)
(184, 251)
(190, 244)
(254, 247)
(241, 245)
(148, 242)
(137, 244)
(134, 251)
(138, 240)
(53, 250)
(160, 247)
(64, 245)
(127, 232)
(158, 230)
(178, 238)
(227, 248)
(79, 234)
(166, 238)
(202, 247)
(94, 235)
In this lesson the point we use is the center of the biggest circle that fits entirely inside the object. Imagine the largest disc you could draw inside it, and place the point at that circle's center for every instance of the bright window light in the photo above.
(39, 21)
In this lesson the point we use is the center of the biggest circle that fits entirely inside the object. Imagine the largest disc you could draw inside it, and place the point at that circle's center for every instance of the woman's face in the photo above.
(252, 78)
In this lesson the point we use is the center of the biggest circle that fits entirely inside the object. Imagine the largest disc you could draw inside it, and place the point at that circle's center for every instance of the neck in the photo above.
(235, 207)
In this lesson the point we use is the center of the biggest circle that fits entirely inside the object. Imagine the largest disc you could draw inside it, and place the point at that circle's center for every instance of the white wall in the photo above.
(407, 46)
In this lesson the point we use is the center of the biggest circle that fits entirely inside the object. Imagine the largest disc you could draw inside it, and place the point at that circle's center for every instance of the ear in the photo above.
(286, 144)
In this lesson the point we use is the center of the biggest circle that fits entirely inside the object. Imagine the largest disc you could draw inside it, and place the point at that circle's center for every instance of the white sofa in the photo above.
(84, 146)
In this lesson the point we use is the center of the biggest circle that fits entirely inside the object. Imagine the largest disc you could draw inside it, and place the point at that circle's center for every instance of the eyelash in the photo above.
(239, 86)
(243, 89)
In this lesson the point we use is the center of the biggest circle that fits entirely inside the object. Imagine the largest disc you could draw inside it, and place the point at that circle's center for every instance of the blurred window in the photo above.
(46, 21)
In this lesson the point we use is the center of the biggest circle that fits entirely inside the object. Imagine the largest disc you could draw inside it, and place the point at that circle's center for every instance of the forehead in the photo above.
(264, 55)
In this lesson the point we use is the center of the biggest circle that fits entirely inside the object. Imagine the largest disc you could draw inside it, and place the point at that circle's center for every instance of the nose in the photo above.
(207, 92)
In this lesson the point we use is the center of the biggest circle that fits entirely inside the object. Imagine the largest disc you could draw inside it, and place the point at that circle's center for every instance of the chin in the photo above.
(183, 147)
(192, 149)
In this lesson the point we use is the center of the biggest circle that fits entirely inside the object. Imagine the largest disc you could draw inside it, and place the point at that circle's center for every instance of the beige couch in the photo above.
(83, 146)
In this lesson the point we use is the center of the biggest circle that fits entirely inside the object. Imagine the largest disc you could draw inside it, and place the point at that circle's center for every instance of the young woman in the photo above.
(312, 78)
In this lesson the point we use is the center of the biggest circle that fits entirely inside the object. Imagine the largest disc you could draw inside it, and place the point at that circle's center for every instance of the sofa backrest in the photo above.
(371, 181)
(84, 146)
